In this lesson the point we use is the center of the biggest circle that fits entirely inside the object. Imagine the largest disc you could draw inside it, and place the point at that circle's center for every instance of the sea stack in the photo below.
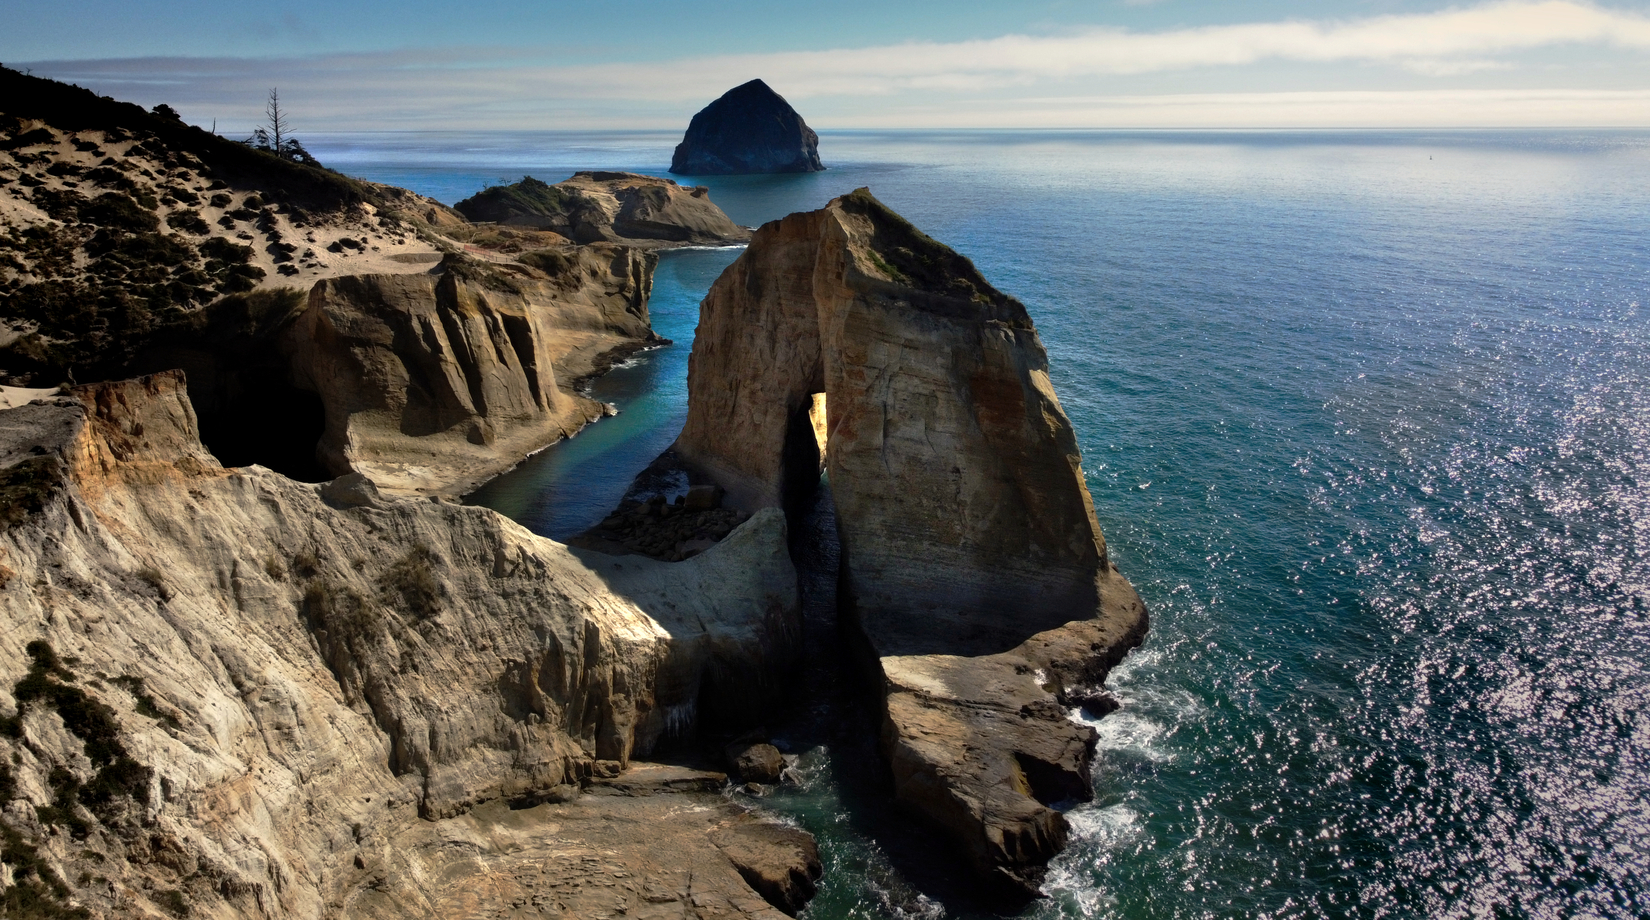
(750, 129)
(973, 568)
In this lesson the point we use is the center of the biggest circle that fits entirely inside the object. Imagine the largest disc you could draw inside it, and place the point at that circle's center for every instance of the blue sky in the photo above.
(854, 63)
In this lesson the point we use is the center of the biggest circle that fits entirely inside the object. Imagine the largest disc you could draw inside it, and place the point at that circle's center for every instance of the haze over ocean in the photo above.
(1366, 417)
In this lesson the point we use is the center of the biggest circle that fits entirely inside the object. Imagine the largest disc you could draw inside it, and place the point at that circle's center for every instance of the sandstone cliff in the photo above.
(436, 383)
(972, 563)
(749, 129)
(229, 694)
(131, 243)
(118, 225)
(610, 207)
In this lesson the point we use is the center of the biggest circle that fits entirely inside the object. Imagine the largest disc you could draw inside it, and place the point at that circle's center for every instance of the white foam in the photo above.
(1095, 832)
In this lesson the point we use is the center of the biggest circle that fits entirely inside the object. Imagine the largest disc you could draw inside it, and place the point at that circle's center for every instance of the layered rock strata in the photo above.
(438, 382)
(972, 562)
(229, 694)
(749, 129)
(612, 207)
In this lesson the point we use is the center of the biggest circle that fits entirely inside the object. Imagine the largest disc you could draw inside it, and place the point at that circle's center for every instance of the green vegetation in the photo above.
(188, 220)
(37, 891)
(118, 775)
(914, 259)
(531, 202)
(412, 580)
(26, 487)
(96, 287)
(337, 607)
(461, 267)
(173, 902)
(553, 262)
(97, 284)
(145, 704)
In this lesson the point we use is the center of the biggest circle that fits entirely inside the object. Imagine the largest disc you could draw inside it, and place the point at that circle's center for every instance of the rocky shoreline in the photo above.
(237, 693)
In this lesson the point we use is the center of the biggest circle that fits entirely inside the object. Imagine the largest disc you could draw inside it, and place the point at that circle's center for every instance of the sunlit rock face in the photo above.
(750, 129)
(973, 565)
(436, 382)
(284, 699)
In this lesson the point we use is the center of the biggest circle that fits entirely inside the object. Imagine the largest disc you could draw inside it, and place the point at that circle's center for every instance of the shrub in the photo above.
(337, 607)
(189, 221)
(116, 210)
(413, 580)
(26, 487)
(552, 262)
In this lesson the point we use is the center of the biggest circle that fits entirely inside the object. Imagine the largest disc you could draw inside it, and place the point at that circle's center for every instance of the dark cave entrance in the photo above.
(258, 416)
(802, 463)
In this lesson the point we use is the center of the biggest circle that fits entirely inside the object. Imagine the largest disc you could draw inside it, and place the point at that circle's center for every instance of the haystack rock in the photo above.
(611, 207)
(845, 339)
(750, 129)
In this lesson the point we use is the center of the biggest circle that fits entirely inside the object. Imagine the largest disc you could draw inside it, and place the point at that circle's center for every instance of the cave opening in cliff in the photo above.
(258, 416)
(802, 462)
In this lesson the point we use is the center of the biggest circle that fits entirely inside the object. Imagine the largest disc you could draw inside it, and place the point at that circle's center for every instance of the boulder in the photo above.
(351, 490)
(972, 564)
(780, 862)
(750, 129)
(755, 763)
(703, 497)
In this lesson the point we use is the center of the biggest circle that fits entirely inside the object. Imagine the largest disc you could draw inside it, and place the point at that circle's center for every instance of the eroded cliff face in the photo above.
(131, 243)
(436, 382)
(239, 692)
(972, 562)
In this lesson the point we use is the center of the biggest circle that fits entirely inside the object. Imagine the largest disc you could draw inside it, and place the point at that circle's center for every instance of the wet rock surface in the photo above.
(671, 531)
(780, 862)
(755, 762)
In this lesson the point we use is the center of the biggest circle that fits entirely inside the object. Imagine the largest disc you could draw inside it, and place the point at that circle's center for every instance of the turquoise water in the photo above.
(1366, 417)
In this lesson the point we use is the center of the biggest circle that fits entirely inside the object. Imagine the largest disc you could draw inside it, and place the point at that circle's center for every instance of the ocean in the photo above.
(1366, 418)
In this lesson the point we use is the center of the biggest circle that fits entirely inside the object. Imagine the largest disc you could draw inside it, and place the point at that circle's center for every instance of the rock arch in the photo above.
(972, 562)
(965, 522)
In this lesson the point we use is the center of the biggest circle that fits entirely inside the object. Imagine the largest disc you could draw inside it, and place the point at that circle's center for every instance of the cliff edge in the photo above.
(325, 324)
(225, 693)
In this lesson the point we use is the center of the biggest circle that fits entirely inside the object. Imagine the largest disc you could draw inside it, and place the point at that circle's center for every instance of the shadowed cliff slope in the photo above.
(749, 129)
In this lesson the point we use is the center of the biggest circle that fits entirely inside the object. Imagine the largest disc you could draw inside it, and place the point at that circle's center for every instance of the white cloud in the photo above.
(1430, 42)
(942, 83)
(1341, 109)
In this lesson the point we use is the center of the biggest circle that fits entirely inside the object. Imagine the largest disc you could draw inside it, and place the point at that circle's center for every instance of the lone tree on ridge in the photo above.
(275, 135)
